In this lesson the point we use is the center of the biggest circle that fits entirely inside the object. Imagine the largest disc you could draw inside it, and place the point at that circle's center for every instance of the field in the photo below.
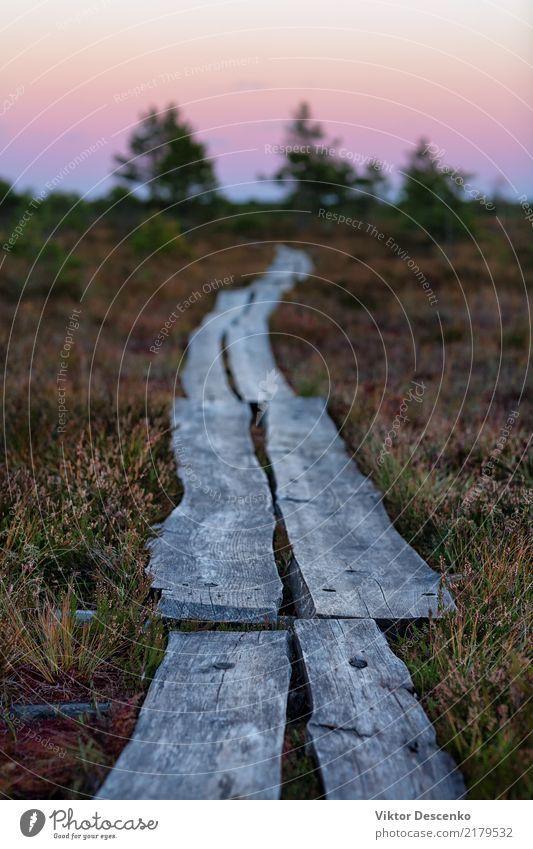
(434, 403)
(81, 489)
(428, 391)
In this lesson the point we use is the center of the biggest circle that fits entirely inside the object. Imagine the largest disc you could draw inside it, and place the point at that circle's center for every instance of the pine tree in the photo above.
(167, 161)
(432, 194)
(313, 174)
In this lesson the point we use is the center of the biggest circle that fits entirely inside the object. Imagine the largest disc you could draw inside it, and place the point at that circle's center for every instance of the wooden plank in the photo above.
(349, 560)
(251, 360)
(250, 356)
(299, 261)
(54, 711)
(369, 734)
(204, 375)
(213, 721)
(213, 559)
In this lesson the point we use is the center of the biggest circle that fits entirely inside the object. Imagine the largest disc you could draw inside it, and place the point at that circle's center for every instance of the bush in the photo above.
(157, 234)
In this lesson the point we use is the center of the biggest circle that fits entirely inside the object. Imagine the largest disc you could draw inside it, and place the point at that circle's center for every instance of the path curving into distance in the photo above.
(213, 723)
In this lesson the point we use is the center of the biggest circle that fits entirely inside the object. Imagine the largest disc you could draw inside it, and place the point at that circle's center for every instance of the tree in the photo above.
(313, 171)
(166, 160)
(9, 200)
(433, 193)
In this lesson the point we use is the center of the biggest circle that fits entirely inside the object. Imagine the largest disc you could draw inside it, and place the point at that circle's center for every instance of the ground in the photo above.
(424, 392)
(433, 401)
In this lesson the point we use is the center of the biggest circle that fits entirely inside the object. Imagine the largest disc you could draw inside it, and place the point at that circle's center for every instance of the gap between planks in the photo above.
(213, 723)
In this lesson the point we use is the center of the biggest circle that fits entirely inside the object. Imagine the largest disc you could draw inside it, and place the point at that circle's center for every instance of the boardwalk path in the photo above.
(213, 722)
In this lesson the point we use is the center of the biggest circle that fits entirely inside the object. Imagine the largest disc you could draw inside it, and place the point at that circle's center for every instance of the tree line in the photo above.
(166, 167)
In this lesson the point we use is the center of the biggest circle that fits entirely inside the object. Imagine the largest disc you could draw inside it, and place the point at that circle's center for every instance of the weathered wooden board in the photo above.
(213, 558)
(203, 376)
(212, 725)
(295, 259)
(213, 721)
(349, 560)
(250, 356)
(53, 711)
(369, 734)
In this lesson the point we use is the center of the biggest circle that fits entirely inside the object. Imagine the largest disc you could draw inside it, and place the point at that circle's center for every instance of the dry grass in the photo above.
(63, 758)
(77, 507)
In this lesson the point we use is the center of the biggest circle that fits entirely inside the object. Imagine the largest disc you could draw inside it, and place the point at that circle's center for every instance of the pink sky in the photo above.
(378, 74)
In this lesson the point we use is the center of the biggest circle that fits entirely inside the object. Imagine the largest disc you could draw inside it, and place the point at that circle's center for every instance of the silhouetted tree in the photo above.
(166, 160)
(312, 171)
(433, 193)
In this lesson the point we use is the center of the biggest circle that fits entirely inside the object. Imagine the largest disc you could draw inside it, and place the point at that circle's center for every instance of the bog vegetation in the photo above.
(86, 288)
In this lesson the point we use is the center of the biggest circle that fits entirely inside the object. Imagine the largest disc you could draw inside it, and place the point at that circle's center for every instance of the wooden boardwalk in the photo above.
(213, 723)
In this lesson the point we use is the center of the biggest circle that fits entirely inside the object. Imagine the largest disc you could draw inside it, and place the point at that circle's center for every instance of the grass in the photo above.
(66, 758)
(473, 668)
(457, 479)
(79, 493)
(300, 775)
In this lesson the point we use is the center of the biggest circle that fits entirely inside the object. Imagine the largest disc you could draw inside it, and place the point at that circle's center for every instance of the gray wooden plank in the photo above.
(251, 360)
(53, 711)
(368, 733)
(349, 560)
(250, 356)
(212, 724)
(213, 558)
(203, 375)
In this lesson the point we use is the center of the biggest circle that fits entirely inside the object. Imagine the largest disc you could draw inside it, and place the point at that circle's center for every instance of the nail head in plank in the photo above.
(369, 734)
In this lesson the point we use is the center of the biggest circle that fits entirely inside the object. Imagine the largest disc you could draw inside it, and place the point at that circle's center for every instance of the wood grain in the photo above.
(213, 558)
(213, 721)
(369, 734)
(251, 360)
(203, 376)
(349, 560)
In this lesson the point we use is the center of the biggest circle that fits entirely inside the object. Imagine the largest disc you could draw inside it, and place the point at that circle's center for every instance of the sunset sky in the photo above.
(377, 74)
